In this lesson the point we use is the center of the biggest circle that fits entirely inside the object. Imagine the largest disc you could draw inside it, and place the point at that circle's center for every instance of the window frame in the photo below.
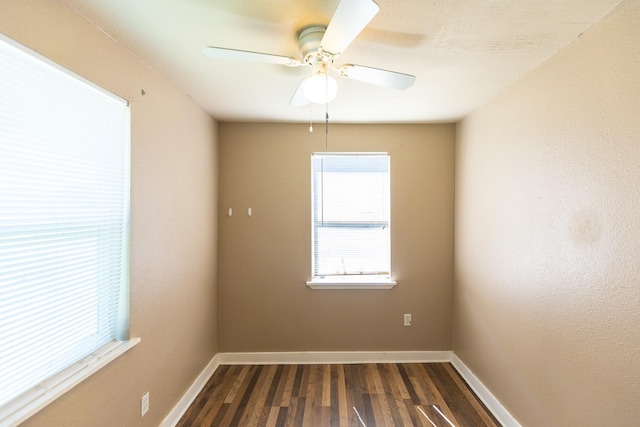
(28, 403)
(350, 281)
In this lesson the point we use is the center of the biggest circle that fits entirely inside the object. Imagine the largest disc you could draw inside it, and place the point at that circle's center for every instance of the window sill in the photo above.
(352, 283)
(32, 401)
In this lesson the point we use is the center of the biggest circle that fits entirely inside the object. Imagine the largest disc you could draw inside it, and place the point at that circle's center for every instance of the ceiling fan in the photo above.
(319, 48)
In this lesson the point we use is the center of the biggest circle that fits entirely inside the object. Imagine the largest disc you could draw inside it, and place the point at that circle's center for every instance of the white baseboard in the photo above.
(483, 393)
(320, 357)
(185, 401)
(328, 357)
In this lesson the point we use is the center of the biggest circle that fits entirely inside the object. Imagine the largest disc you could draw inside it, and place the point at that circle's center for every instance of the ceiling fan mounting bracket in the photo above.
(309, 39)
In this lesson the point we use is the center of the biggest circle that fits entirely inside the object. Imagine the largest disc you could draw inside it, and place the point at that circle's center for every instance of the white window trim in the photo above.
(28, 404)
(351, 284)
(350, 281)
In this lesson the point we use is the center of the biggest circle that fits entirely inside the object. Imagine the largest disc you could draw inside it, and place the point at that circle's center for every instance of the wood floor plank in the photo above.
(238, 406)
(424, 390)
(342, 398)
(383, 406)
(453, 393)
(406, 381)
(393, 381)
(297, 420)
(359, 392)
(311, 404)
(272, 418)
(210, 400)
(326, 385)
(416, 417)
(256, 401)
(432, 416)
(282, 417)
(434, 392)
(283, 393)
(383, 394)
(373, 375)
(405, 415)
(354, 397)
(238, 383)
(389, 382)
(334, 405)
(301, 390)
(366, 412)
(479, 408)
(275, 385)
(389, 378)
(297, 384)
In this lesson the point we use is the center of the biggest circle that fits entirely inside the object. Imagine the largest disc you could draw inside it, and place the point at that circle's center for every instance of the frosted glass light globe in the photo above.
(320, 88)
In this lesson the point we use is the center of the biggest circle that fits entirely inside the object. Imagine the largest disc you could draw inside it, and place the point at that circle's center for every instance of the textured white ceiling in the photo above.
(462, 52)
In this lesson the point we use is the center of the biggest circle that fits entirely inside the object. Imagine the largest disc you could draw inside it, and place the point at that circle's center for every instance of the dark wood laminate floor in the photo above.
(383, 394)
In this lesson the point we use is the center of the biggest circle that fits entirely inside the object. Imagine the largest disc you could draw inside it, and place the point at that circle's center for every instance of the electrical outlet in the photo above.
(144, 404)
(407, 319)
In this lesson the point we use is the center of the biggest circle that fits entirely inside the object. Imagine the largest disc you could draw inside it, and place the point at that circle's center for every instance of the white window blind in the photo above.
(350, 215)
(64, 219)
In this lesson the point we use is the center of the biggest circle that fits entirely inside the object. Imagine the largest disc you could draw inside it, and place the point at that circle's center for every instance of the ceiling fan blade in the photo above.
(376, 76)
(246, 55)
(299, 100)
(348, 21)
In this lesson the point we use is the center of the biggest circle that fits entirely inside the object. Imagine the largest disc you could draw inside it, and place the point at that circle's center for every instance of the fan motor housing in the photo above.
(309, 40)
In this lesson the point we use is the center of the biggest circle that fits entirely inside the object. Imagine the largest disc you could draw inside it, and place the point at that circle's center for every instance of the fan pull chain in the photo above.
(310, 120)
(326, 128)
(326, 112)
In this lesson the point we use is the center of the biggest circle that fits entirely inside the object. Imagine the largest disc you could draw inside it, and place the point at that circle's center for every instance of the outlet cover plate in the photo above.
(144, 404)
(407, 319)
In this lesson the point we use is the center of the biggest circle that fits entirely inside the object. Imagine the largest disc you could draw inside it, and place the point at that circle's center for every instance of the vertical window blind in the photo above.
(350, 215)
(64, 219)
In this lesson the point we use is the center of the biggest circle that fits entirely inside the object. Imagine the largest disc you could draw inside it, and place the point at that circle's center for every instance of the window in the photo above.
(64, 230)
(350, 221)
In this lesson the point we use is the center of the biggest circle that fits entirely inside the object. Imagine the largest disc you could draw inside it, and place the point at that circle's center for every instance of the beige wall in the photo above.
(547, 291)
(264, 260)
(173, 224)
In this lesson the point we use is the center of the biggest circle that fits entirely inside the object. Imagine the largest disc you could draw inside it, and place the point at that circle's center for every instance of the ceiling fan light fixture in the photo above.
(320, 88)
(319, 47)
